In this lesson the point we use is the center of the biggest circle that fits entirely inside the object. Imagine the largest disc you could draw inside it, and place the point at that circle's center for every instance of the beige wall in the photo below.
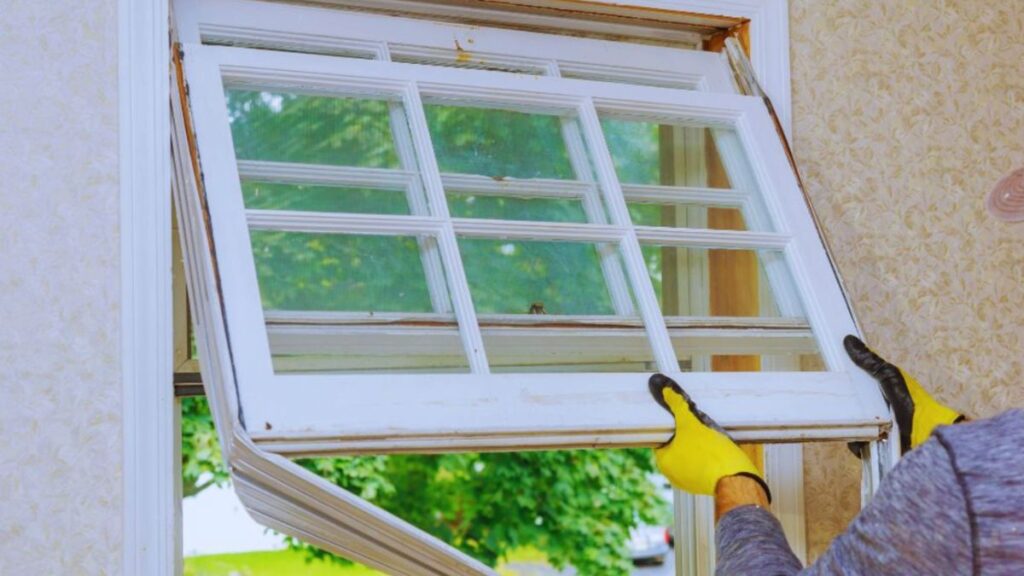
(60, 391)
(905, 115)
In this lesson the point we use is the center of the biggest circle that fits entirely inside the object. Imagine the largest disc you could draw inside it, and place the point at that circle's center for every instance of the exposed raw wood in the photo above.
(562, 16)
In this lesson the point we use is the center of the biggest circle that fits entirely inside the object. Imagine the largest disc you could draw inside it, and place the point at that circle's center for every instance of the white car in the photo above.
(650, 544)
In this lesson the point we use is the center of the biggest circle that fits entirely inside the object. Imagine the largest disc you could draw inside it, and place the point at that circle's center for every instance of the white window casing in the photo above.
(264, 416)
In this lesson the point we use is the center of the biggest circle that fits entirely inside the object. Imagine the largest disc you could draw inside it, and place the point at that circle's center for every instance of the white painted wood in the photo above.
(312, 317)
(618, 213)
(768, 32)
(462, 300)
(510, 404)
(336, 223)
(634, 19)
(748, 116)
(611, 266)
(709, 238)
(474, 184)
(415, 195)
(336, 31)
(275, 491)
(314, 74)
(710, 197)
(146, 355)
(783, 470)
(390, 345)
(339, 223)
(341, 176)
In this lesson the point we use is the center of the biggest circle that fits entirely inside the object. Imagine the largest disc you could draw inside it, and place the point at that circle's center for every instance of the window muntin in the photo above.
(296, 412)
(486, 397)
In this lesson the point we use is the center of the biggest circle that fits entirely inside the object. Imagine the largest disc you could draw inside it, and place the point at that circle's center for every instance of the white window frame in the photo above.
(297, 413)
(149, 511)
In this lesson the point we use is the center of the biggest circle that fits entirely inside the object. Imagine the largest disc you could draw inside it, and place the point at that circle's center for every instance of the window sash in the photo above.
(374, 36)
(304, 414)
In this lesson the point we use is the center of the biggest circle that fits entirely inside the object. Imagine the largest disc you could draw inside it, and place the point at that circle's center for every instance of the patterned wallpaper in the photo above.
(60, 408)
(905, 116)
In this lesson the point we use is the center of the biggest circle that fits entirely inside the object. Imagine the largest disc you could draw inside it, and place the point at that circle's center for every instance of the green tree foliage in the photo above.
(575, 506)
(201, 463)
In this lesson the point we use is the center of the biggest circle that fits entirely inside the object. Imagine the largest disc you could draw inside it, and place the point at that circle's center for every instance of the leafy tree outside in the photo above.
(575, 506)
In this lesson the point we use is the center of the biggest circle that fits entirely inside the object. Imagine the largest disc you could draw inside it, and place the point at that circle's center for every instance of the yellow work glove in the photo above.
(699, 453)
(917, 413)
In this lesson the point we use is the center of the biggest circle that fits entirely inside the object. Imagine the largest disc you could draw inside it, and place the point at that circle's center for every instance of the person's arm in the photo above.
(917, 523)
(734, 492)
(749, 539)
(700, 458)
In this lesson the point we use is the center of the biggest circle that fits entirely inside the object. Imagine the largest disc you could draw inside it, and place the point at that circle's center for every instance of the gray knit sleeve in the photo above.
(750, 541)
(916, 524)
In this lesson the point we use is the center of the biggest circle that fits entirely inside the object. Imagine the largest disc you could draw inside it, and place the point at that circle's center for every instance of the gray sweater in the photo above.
(955, 505)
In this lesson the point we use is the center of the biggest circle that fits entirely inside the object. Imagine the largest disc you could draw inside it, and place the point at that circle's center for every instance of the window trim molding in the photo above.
(150, 544)
(149, 516)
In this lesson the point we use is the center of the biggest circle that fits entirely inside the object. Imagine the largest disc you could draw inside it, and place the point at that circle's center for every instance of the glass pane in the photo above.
(673, 158)
(542, 347)
(286, 127)
(649, 152)
(334, 272)
(367, 346)
(686, 216)
(546, 307)
(529, 277)
(272, 196)
(718, 283)
(752, 288)
(498, 143)
(342, 304)
(502, 208)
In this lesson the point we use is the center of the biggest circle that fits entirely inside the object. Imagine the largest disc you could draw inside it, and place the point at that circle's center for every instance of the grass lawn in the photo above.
(273, 563)
(287, 563)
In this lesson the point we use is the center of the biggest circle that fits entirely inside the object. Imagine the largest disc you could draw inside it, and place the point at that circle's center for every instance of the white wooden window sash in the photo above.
(840, 404)
(299, 413)
(362, 35)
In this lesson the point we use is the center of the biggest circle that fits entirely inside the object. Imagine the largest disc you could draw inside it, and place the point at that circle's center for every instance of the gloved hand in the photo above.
(917, 413)
(699, 453)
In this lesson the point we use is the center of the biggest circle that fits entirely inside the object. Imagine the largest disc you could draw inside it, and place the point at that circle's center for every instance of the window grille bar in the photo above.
(611, 266)
(341, 176)
(705, 238)
(734, 160)
(335, 223)
(478, 185)
(462, 301)
(643, 289)
(400, 225)
(432, 267)
(713, 197)
(389, 179)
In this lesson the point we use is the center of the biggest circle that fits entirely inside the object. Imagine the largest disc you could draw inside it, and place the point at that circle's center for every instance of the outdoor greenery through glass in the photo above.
(575, 506)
